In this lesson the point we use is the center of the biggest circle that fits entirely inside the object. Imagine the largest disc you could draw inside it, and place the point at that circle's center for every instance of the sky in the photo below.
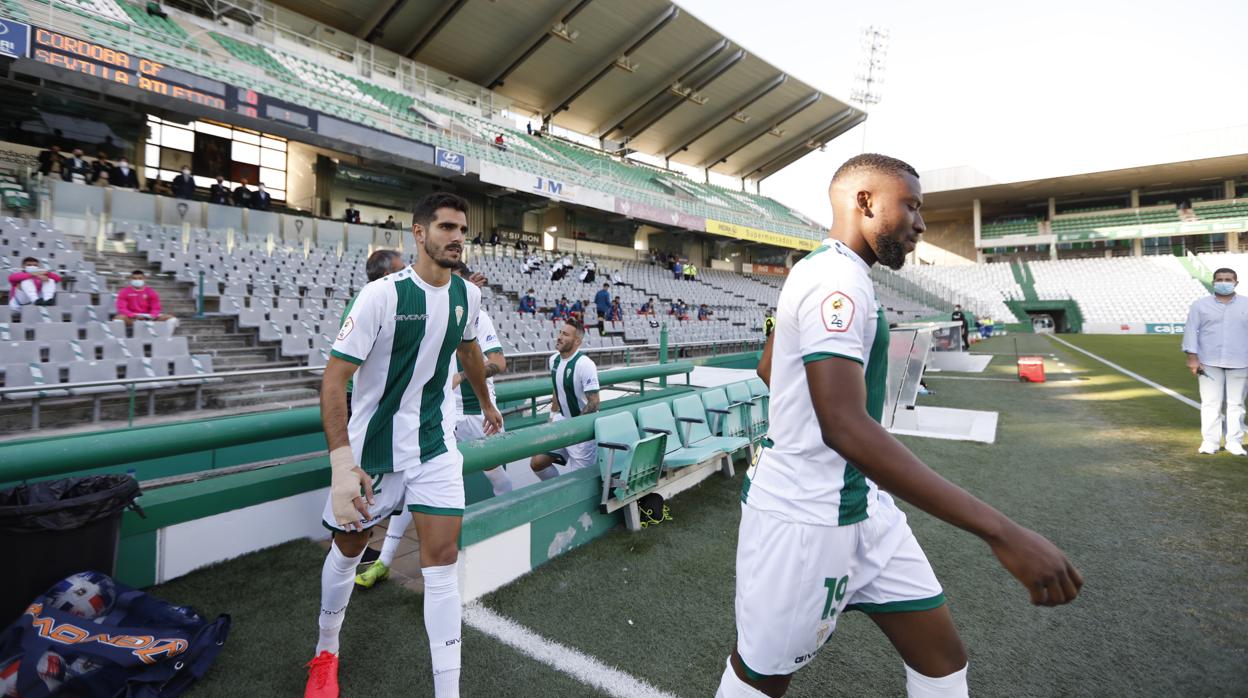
(1016, 90)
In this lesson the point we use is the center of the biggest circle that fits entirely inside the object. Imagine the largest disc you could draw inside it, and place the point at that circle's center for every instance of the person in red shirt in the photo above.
(32, 285)
(138, 302)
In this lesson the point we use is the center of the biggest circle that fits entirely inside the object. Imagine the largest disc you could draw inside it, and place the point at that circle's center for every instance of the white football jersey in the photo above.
(574, 378)
(487, 338)
(402, 333)
(827, 309)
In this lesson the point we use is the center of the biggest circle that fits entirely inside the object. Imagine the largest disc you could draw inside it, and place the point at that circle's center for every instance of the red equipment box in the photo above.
(1031, 369)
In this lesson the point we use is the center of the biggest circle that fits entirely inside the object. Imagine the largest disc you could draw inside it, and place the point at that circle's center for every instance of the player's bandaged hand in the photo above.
(347, 480)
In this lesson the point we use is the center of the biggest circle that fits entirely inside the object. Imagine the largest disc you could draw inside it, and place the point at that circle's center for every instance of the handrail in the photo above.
(42, 457)
(204, 377)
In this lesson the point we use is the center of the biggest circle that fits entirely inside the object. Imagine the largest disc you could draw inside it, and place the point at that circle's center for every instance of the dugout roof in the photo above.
(643, 71)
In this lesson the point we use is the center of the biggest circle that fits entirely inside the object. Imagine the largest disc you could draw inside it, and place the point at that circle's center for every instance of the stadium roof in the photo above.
(644, 71)
(1092, 184)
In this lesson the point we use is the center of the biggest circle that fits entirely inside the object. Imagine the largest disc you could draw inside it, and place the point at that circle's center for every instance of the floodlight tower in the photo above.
(870, 74)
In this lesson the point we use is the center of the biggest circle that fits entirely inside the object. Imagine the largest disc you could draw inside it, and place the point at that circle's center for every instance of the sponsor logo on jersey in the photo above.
(345, 331)
(837, 312)
(411, 317)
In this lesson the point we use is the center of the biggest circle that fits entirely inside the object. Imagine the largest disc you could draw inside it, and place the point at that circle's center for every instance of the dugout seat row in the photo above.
(634, 453)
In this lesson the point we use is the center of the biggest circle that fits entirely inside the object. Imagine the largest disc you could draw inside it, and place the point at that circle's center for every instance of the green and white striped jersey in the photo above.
(487, 338)
(403, 333)
(827, 309)
(575, 377)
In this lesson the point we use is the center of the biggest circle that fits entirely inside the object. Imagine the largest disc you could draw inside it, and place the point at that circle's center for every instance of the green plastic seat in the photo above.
(629, 463)
(740, 392)
(691, 414)
(658, 419)
(761, 393)
(726, 419)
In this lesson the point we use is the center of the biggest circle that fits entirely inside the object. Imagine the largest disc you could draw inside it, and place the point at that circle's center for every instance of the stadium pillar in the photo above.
(1052, 208)
(977, 222)
(1228, 189)
(1137, 247)
(1232, 242)
(1135, 198)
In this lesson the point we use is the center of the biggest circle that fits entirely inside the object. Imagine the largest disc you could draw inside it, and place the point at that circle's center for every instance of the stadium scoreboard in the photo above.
(112, 65)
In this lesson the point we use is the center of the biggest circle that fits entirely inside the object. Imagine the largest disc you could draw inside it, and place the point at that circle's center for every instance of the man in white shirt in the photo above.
(398, 450)
(575, 392)
(818, 536)
(1215, 339)
(471, 425)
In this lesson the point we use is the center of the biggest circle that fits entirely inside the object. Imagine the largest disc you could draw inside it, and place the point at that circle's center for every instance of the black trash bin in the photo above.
(55, 528)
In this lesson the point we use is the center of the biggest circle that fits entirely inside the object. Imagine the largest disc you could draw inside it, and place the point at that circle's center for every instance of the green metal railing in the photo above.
(36, 458)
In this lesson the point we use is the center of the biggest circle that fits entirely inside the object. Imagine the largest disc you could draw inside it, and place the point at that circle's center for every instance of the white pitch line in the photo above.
(581, 667)
(1185, 400)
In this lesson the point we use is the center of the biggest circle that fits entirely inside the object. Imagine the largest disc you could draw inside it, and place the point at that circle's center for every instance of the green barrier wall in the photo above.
(208, 444)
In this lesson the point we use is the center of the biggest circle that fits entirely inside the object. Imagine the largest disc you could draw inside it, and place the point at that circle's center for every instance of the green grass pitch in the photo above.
(1103, 465)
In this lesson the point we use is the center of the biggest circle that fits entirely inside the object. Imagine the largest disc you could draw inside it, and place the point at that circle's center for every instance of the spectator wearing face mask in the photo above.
(137, 301)
(76, 168)
(261, 200)
(184, 185)
(124, 176)
(33, 285)
(219, 193)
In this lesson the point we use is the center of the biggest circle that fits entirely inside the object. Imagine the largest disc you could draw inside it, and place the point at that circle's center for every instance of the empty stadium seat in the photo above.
(658, 419)
(690, 412)
(628, 463)
(20, 375)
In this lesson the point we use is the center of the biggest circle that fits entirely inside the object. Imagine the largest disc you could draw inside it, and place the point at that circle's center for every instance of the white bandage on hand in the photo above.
(344, 486)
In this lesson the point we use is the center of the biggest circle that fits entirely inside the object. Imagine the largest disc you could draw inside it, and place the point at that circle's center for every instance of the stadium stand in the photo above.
(980, 288)
(333, 86)
(998, 229)
(1130, 289)
(1112, 218)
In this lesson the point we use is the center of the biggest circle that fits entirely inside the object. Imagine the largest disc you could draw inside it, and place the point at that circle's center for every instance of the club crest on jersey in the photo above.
(459, 314)
(837, 311)
(345, 331)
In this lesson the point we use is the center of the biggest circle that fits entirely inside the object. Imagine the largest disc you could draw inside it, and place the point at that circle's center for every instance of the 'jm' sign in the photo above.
(549, 187)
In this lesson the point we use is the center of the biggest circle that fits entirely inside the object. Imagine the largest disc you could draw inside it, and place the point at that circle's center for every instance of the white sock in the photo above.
(394, 535)
(731, 686)
(499, 480)
(546, 473)
(337, 579)
(442, 622)
(951, 686)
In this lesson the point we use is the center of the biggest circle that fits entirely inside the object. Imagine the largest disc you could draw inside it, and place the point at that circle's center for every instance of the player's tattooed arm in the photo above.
(764, 362)
(495, 363)
(838, 395)
(591, 402)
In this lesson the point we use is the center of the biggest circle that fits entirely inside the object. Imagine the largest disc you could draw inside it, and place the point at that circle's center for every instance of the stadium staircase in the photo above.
(232, 348)
(1198, 270)
(1025, 279)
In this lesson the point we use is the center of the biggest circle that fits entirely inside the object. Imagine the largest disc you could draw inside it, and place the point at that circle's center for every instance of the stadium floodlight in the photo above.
(870, 74)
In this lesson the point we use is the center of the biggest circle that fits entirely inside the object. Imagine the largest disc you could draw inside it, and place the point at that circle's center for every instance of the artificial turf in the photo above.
(1101, 464)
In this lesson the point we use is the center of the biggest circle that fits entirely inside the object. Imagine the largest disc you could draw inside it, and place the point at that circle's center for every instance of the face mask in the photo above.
(137, 283)
(186, 173)
(31, 270)
(1224, 288)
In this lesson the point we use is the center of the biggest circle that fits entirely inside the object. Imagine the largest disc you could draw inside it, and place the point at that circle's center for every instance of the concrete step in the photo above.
(239, 362)
(268, 397)
(284, 363)
(277, 381)
(205, 343)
